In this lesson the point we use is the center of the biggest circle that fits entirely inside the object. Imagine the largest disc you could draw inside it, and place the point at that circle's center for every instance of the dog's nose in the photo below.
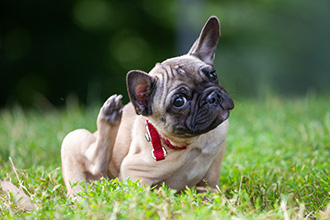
(214, 98)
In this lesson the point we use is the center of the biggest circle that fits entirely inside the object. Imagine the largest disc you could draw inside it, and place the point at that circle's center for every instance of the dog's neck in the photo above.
(159, 152)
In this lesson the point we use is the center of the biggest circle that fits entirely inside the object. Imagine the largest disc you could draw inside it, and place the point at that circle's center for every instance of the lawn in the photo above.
(276, 167)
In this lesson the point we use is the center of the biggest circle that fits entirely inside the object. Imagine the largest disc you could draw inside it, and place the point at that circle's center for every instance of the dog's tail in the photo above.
(21, 199)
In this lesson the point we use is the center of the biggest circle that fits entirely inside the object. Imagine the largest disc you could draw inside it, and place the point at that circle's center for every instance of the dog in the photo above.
(173, 131)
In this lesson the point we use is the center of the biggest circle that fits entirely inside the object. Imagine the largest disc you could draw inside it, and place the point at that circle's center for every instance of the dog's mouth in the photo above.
(212, 108)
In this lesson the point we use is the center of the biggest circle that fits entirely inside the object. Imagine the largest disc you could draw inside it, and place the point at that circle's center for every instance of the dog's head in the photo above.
(182, 96)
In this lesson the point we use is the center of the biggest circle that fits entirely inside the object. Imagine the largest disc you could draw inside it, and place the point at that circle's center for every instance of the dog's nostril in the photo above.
(214, 98)
(211, 100)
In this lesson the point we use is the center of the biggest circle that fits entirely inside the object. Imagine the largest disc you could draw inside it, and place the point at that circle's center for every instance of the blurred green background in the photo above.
(50, 50)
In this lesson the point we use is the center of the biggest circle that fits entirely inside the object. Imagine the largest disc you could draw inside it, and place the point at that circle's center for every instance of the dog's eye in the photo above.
(179, 101)
(209, 72)
(212, 75)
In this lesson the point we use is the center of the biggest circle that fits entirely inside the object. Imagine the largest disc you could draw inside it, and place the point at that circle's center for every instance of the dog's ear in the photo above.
(140, 89)
(206, 44)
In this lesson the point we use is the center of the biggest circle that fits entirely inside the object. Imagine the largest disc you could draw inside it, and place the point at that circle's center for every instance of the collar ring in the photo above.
(153, 153)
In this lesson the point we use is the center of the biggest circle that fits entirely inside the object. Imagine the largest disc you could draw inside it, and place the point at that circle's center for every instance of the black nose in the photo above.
(214, 98)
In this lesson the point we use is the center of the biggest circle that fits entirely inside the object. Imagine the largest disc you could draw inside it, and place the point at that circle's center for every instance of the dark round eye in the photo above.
(212, 75)
(209, 72)
(179, 101)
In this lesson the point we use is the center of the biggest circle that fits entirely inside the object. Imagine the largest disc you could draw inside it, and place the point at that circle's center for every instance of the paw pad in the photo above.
(112, 109)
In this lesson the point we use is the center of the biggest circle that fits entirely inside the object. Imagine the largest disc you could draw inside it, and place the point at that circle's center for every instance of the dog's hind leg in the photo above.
(86, 156)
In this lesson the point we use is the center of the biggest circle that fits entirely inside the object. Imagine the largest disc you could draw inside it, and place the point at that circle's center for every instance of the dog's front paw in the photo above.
(112, 110)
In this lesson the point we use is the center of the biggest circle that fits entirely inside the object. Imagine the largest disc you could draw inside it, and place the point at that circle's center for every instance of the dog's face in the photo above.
(182, 95)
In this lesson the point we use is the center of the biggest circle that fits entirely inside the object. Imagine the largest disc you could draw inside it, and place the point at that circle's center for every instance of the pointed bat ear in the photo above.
(206, 44)
(140, 87)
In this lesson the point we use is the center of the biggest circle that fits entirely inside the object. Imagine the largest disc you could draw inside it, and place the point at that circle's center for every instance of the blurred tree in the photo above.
(50, 49)
(277, 46)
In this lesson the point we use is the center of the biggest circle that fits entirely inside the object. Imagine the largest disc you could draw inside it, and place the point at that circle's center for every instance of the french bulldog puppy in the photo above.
(173, 131)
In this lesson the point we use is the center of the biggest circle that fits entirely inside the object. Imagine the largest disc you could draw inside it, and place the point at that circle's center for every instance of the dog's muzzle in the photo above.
(211, 109)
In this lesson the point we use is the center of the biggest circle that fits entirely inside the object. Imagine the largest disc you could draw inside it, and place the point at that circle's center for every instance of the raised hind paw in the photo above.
(112, 110)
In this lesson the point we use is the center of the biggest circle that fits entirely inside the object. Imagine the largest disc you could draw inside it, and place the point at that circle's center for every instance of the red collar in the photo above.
(158, 152)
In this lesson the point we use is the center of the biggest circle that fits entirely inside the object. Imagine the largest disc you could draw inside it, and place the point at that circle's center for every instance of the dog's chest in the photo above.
(197, 161)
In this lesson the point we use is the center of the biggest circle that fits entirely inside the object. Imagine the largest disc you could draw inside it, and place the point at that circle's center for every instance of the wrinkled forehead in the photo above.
(181, 72)
(187, 59)
(188, 64)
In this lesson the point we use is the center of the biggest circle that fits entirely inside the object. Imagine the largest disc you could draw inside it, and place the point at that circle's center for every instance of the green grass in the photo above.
(276, 167)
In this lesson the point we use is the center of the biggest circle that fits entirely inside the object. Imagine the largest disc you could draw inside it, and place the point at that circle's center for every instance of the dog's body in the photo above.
(181, 107)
